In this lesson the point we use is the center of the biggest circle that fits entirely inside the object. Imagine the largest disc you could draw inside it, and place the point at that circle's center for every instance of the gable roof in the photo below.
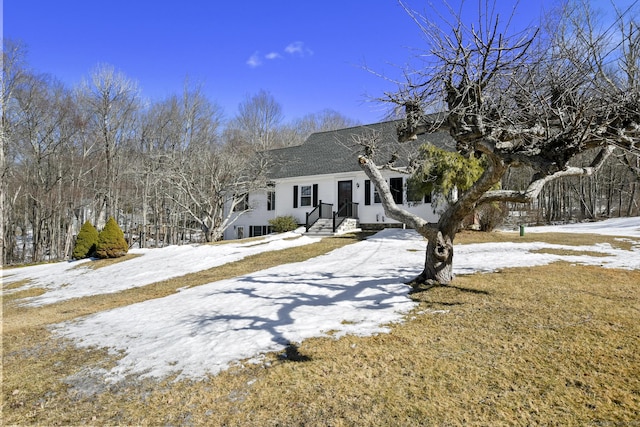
(337, 151)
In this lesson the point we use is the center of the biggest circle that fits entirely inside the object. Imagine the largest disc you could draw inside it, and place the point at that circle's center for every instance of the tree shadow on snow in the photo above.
(303, 306)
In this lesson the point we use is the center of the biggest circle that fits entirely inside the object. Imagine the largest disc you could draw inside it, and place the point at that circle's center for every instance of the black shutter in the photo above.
(295, 196)
(315, 195)
(367, 192)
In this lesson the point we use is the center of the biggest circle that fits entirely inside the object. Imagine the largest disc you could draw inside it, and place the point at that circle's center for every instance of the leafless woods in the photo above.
(164, 169)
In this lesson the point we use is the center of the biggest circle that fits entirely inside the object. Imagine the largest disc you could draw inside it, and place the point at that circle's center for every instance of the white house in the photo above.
(320, 183)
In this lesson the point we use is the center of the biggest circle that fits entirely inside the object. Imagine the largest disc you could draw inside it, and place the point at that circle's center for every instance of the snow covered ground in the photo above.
(356, 289)
(629, 227)
(66, 280)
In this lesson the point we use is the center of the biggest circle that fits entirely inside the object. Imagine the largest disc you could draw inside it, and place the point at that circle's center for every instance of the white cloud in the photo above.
(294, 49)
(254, 60)
(298, 48)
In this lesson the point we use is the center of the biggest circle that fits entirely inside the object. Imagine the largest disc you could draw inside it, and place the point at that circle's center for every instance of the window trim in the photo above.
(306, 200)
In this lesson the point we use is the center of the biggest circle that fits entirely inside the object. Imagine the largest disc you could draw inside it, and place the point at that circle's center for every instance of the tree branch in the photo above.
(391, 209)
(536, 186)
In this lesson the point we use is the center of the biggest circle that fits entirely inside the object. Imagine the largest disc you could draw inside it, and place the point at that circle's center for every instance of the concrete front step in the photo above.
(324, 227)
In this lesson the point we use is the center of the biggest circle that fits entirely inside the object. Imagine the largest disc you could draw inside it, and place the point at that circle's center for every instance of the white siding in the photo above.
(327, 193)
(259, 215)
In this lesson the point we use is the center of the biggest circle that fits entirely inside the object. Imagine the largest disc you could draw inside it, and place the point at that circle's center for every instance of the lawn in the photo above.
(556, 344)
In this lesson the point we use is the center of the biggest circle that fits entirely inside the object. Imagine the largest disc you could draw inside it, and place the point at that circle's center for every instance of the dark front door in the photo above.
(345, 198)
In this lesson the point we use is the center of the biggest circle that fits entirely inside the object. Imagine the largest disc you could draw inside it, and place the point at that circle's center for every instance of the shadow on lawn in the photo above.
(299, 307)
(426, 293)
(416, 289)
(292, 354)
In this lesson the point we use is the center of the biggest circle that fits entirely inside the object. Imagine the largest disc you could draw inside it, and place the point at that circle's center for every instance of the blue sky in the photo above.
(308, 54)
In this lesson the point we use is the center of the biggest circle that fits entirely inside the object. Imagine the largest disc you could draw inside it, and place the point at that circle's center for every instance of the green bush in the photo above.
(85, 242)
(282, 224)
(111, 242)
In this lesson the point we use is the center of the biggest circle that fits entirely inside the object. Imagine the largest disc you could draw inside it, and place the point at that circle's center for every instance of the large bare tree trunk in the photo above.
(438, 265)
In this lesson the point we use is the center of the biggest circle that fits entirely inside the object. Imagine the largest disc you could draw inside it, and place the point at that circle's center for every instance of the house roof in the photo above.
(338, 150)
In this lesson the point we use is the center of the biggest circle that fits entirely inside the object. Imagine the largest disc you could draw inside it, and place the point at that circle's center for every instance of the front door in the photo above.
(345, 198)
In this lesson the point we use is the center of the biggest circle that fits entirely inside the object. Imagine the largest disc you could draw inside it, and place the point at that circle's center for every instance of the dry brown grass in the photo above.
(15, 285)
(553, 345)
(571, 239)
(25, 293)
(99, 263)
(569, 252)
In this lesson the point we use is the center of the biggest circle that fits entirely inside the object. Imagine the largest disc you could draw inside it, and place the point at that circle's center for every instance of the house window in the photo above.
(376, 195)
(243, 204)
(305, 195)
(396, 185)
(413, 194)
(240, 232)
(259, 230)
(367, 193)
(271, 200)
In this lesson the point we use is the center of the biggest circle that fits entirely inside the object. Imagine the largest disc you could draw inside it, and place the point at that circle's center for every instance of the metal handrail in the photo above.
(323, 210)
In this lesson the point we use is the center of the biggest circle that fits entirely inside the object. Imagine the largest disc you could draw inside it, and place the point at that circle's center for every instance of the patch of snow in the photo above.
(66, 280)
(624, 227)
(357, 289)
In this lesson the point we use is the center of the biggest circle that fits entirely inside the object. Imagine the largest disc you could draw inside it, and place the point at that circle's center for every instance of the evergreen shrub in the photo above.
(85, 242)
(111, 241)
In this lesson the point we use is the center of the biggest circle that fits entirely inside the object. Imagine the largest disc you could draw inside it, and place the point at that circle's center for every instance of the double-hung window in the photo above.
(305, 195)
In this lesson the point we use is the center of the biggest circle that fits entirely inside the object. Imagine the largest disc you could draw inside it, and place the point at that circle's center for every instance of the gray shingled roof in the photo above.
(336, 151)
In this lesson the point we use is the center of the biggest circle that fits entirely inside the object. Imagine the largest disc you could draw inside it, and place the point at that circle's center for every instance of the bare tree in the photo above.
(257, 121)
(42, 140)
(298, 130)
(13, 69)
(512, 98)
(214, 186)
(112, 101)
(202, 177)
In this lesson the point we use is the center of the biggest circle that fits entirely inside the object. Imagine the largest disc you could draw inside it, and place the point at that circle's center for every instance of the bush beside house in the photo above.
(111, 241)
(283, 224)
(85, 242)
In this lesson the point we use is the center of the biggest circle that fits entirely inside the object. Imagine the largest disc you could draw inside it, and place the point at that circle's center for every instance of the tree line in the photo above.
(165, 170)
